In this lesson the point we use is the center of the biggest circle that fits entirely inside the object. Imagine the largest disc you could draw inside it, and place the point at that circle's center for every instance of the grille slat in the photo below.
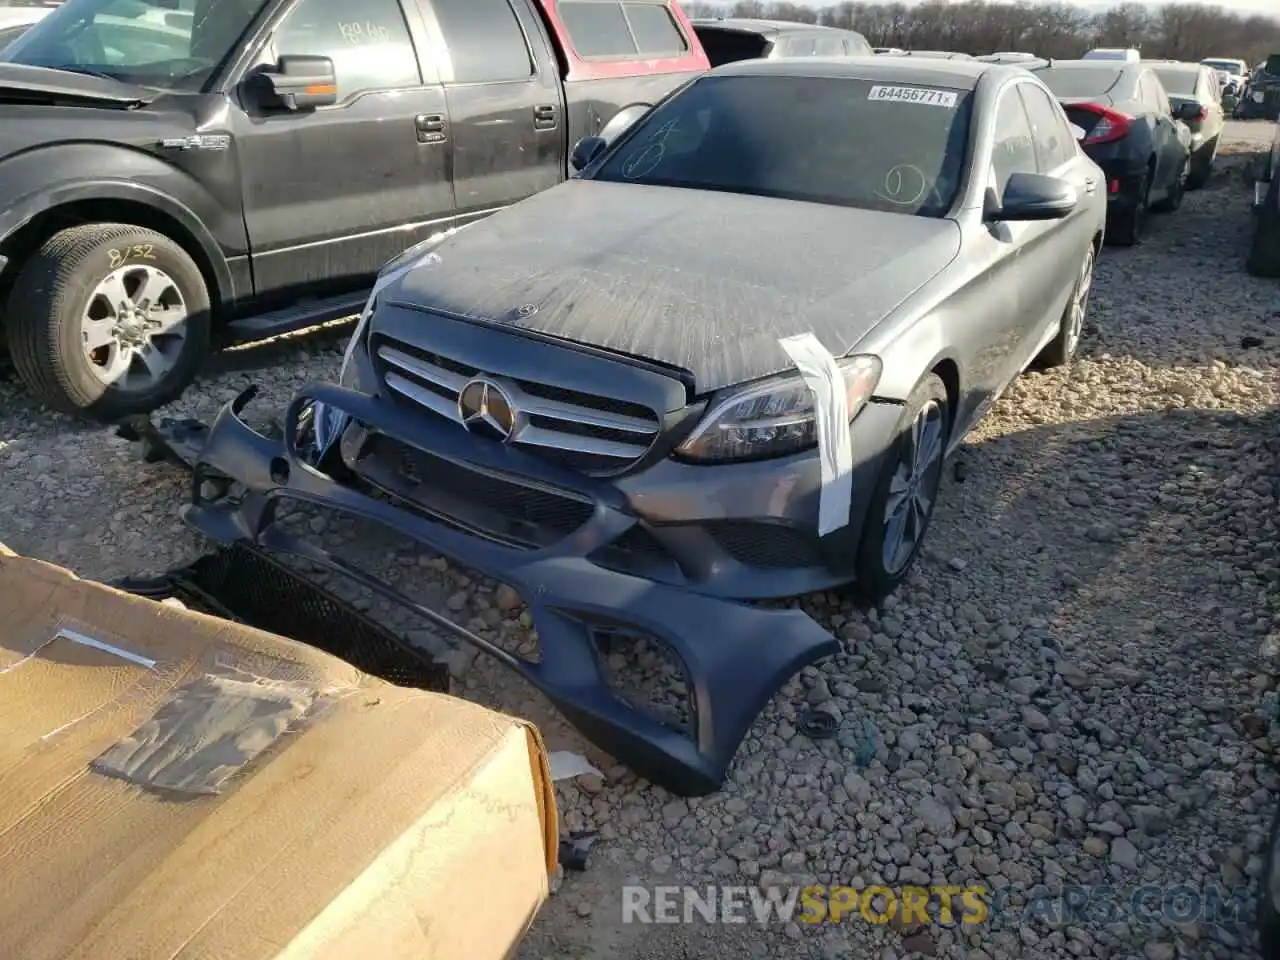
(594, 434)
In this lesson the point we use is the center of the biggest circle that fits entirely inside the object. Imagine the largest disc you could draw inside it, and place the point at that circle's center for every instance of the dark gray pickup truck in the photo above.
(1264, 251)
(180, 174)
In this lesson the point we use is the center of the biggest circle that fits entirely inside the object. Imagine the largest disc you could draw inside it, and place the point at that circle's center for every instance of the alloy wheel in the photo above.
(1079, 304)
(133, 327)
(914, 487)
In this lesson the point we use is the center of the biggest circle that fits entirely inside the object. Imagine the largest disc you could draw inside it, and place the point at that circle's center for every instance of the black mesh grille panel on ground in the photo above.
(243, 584)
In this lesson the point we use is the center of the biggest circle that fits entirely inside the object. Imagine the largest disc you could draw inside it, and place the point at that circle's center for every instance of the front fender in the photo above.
(39, 180)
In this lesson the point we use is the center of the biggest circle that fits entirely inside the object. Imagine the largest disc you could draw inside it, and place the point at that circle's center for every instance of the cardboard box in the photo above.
(176, 786)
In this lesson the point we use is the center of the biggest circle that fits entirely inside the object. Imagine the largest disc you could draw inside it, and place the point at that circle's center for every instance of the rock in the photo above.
(937, 818)
(506, 599)
(1124, 853)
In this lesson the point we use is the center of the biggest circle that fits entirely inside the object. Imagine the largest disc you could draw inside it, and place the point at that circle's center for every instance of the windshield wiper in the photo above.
(87, 72)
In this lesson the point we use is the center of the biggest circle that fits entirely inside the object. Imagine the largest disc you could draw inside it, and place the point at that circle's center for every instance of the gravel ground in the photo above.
(1077, 688)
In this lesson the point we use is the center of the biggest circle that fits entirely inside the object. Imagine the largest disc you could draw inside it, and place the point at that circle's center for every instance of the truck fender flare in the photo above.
(29, 206)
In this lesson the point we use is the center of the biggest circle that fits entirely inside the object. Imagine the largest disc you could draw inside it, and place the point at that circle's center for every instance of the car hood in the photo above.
(19, 81)
(702, 281)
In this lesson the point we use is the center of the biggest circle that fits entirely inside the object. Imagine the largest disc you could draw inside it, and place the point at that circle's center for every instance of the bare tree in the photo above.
(1185, 31)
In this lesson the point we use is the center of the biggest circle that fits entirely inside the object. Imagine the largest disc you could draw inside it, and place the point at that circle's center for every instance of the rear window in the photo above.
(854, 143)
(625, 30)
(1079, 81)
(1179, 83)
(726, 46)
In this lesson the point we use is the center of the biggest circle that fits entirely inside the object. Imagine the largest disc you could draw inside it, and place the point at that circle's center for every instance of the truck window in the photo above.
(485, 40)
(654, 29)
(625, 31)
(370, 47)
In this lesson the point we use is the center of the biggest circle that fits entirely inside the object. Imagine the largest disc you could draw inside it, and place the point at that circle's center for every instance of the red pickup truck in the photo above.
(186, 173)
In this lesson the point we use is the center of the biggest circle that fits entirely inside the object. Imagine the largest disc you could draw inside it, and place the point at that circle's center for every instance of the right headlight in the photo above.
(773, 417)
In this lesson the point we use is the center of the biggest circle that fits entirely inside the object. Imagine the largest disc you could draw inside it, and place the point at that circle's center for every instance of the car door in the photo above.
(331, 194)
(1209, 92)
(1053, 249)
(506, 113)
(996, 334)
(1170, 152)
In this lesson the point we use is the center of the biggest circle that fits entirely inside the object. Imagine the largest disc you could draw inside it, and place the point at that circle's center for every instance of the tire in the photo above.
(1264, 251)
(68, 280)
(1062, 349)
(1177, 190)
(1268, 917)
(874, 577)
(1127, 229)
(1202, 166)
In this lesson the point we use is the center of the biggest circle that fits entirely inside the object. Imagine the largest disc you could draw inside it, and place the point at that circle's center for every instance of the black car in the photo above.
(726, 39)
(1128, 127)
(186, 173)
(1262, 95)
(1264, 253)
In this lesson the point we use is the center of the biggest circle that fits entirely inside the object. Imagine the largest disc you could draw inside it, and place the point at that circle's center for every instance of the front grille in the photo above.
(488, 504)
(595, 435)
(765, 544)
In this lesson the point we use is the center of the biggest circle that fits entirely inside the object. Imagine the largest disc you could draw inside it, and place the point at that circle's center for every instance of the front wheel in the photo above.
(1177, 190)
(1126, 228)
(1202, 165)
(108, 320)
(906, 492)
(1062, 349)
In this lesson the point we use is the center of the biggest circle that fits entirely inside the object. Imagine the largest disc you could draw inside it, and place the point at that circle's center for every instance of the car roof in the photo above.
(1180, 66)
(752, 25)
(1116, 66)
(959, 74)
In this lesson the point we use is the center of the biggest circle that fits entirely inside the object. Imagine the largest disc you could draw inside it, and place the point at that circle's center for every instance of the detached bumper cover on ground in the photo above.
(735, 656)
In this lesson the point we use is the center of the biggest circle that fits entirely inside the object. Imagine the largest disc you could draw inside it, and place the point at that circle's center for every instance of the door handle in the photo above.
(544, 116)
(430, 127)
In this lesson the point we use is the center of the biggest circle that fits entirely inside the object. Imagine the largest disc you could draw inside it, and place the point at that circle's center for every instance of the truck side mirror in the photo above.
(297, 83)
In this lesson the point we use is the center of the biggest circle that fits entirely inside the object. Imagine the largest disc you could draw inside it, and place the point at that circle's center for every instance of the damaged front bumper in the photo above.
(735, 656)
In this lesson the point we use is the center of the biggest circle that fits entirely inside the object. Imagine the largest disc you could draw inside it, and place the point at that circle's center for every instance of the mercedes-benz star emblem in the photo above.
(485, 408)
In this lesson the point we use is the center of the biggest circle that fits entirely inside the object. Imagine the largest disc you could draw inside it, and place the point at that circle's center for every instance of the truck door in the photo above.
(506, 110)
(331, 194)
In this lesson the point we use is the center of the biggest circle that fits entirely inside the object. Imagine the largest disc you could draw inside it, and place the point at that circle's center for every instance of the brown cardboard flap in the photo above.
(350, 818)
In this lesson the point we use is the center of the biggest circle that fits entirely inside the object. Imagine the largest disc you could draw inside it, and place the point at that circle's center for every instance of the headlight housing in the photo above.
(773, 417)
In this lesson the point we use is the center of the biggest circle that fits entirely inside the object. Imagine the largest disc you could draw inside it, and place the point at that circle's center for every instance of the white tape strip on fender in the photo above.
(822, 376)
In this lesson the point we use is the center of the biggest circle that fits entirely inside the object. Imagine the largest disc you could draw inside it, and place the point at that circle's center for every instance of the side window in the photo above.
(1012, 150)
(799, 47)
(597, 29)
(631, 30)
(370, 48)
(1053, 142)
(654, 29)
(828, 47)
(485, 40)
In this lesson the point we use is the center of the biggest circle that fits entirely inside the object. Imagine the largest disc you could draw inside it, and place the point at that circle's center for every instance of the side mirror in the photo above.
(297, 83)
(1078, 132)
(586, 150)
(1033, 196)
(1187, 111)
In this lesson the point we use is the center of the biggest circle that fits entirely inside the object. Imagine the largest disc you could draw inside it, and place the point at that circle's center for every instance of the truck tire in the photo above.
(108, 320)
(1264, 252)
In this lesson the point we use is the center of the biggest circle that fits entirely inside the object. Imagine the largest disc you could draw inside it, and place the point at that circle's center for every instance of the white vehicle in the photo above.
(1230, 71)
(1127, 54)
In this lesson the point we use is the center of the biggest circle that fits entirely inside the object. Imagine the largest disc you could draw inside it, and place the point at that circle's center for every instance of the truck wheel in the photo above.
(1264, 253)
(108, 320)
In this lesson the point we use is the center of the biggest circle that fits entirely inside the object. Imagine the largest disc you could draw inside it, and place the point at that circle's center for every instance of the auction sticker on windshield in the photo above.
(933, 98)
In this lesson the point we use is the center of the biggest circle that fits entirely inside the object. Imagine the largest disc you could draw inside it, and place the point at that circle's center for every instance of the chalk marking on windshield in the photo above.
(644, 160)
(897, 185)
(921, 95)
